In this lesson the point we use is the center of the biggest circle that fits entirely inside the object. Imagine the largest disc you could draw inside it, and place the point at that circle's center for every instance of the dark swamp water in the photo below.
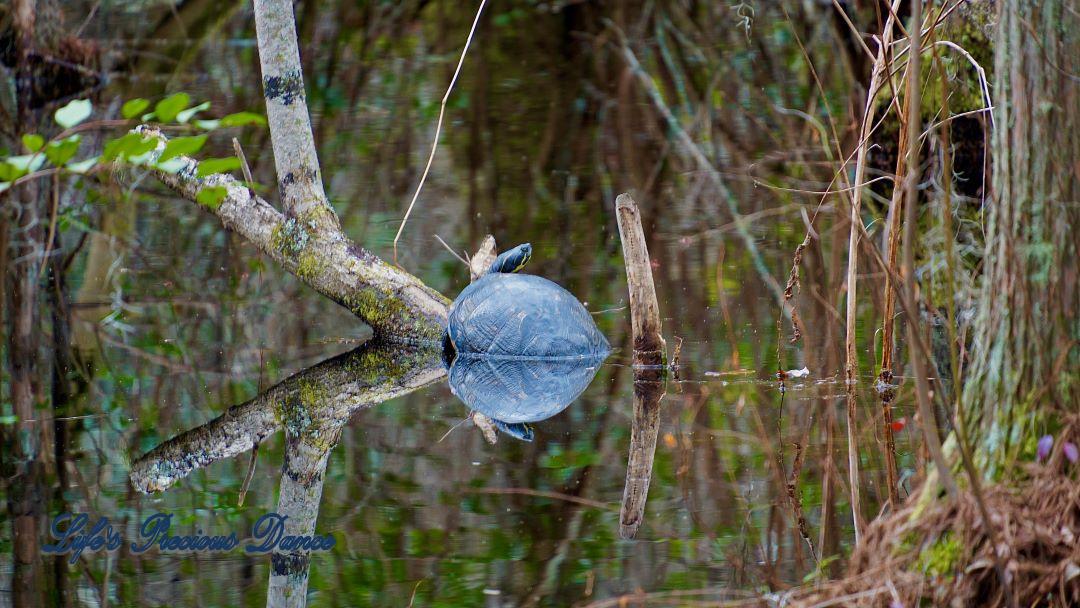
(547, 124)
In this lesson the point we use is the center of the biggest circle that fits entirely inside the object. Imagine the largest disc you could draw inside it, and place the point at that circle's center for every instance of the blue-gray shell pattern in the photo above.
(525, 347)
(521, 315)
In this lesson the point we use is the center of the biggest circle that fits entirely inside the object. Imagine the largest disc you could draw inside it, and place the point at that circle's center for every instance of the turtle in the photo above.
(520, 348)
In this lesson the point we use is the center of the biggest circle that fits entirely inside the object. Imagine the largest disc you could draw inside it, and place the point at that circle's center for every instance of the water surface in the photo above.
(183, 320)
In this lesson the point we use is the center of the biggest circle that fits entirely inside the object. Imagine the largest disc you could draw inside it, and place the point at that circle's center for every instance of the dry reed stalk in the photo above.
(851, 356)
(918, 360)
(438, 127)
(885, 376)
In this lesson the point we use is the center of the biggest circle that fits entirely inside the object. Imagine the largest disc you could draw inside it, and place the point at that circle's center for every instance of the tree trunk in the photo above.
(1027, 327)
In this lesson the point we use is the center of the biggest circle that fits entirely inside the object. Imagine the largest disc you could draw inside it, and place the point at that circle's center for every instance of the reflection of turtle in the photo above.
(520, 347)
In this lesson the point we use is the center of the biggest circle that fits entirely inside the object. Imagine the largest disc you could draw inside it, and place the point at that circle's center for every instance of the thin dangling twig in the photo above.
(438, 127)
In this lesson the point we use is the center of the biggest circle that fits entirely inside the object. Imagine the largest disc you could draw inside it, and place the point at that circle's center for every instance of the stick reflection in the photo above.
(649, 391)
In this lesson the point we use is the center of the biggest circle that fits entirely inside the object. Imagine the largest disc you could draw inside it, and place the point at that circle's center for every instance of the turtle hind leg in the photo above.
(513, 260)
(517, 430)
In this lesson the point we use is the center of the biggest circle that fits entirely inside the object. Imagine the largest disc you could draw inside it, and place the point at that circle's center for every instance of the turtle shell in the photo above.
(522, 315)
(515, 390)
(524, 347)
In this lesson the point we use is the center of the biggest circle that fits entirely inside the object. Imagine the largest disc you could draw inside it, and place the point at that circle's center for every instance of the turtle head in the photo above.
(517, 430)
(448, 350)
(513, 260)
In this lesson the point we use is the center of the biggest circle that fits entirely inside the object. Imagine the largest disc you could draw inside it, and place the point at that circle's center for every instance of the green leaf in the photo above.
(60, 152)
(167, 109)
(217, 165)
(9, 172)
(83, 166)
(131, 144)
(241, 119)
(33, 141)
(212, 196)
(134, 107)
(208, 125)
(73, 113)
(182, 145)
(186, 115)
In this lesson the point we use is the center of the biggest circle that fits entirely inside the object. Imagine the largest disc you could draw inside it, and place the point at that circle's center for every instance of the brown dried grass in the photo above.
(1038, 522)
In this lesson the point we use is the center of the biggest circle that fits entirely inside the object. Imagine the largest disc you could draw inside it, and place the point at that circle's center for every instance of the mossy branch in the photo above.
(397, 305)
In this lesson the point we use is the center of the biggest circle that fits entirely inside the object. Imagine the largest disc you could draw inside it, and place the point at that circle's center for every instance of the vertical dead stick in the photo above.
(851, 356)
(649, 346)
(649, 349)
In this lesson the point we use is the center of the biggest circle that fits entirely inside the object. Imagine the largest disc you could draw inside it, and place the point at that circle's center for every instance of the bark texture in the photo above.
(649, 345)
(25, 471)
(649, 366)
(299, 177)
(397, 305)
(1027, 329)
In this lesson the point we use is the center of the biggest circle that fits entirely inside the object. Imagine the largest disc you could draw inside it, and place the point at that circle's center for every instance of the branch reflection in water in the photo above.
(315, 404)
(312, 406)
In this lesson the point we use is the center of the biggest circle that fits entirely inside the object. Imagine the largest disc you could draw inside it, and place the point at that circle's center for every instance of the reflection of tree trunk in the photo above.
(68, 388)
(23, 479)
(332, 390)
(823, 357)
(104, 251)
(302, 478)
(24, 486)
(713, 496)
(312, 406)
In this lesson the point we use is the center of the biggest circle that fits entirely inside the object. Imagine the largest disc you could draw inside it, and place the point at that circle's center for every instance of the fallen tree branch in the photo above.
(397, 305)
